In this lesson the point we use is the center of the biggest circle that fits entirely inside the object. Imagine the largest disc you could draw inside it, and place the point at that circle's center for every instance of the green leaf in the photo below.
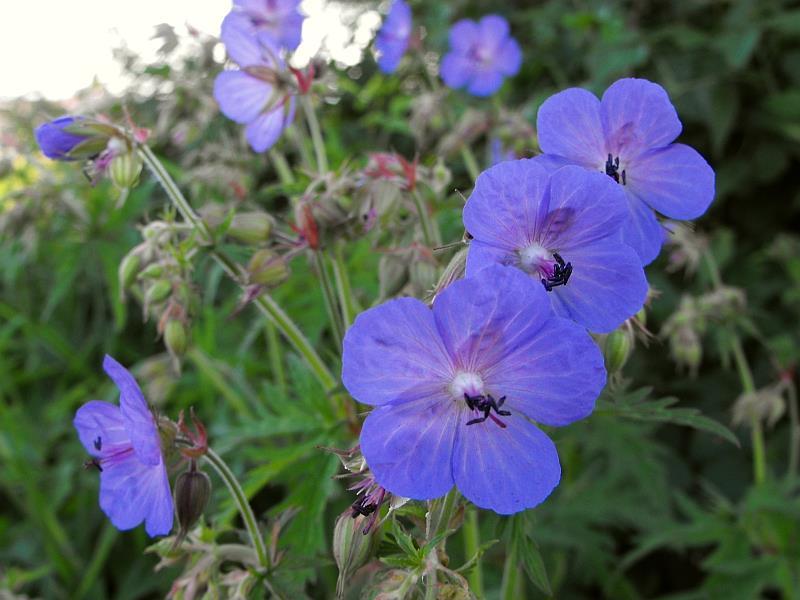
(527, 551)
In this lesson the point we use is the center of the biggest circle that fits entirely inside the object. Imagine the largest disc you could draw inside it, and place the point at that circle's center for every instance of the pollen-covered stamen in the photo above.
(549, 266)
(561, 273)
(613, 170)
(486, 404)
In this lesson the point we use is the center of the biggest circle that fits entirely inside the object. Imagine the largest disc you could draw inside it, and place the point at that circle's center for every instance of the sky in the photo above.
(52, 48)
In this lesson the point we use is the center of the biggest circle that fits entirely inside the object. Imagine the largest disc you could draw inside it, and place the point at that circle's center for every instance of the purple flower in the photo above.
(54, 139)
(564, 230)
(454, 387)
(125, 445)
(628, 135)
(256, 94)
(481, 55)
(392, 40)
(281, 20)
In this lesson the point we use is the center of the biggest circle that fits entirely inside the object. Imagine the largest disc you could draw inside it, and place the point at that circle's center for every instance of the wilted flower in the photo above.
(257, 95)
(481, 55)
(392, 39)
(454, 388)
(564, 231)
(628, 136)
(281, 20)
(126, 448)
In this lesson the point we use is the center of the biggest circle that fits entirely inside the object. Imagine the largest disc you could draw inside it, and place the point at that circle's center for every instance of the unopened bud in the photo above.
(153, 271)
(453, 271)
(128, 269)
(175, 337)
(423, 276)
(617, 348)
(267, 268)
(441, 177)
(351, 547)
(192, 492)
(125, 169)
(251, 227)
(158, 292)
(392, 275)
(641, 317)
(686, 348)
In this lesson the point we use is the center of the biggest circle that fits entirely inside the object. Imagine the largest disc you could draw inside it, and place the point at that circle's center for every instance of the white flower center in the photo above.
(533, 257)
(466, 382)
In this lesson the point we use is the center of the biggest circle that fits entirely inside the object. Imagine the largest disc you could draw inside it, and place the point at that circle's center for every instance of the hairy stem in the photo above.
(316, 134)
(428, 231)
(265, 303)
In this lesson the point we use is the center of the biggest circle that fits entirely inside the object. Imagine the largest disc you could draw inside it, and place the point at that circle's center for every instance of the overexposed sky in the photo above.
(53, 48)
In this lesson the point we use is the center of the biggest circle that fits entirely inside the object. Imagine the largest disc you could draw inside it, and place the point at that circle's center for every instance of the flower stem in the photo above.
(470, 162)
(428, 231)
(472, 542)
(794, 437)
(241, 502)
(439, 514)
(331, 304)
(266, 304)
(281, 166)
(510, 582)
(316, 134)
(344, 290)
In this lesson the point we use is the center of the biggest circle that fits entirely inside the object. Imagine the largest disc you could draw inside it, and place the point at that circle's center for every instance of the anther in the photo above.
(561, 273)
(486, 404)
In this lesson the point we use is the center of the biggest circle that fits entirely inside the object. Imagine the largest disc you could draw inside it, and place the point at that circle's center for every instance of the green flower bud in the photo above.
(454, 270)
(267, 268)
(175, 337)
(153, 271)
(617, 348)
(128, 269)
(423, 276)
(192, 492)
(251, 227)
(351, 547)
(392, 274)
(125, 169)
(158, 292)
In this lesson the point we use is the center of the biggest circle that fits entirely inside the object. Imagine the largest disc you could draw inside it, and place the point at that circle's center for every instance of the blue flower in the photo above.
(481, 55)
(392, 39)
(281, 20)
(565, 231)
(256, 94)
(54, 139)
(455, 386)
(628, 135)
(125, 445)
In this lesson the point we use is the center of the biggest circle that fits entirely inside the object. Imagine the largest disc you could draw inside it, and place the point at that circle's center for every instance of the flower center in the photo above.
(468, 387)
(466, 383)
(613, 170)
(552, 269)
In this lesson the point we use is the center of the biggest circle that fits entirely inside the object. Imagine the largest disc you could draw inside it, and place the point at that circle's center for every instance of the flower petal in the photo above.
(607, 286)
(101, 424)
(264, 131)
(505, 470)
(139, 421)
(132, 492)
(393, 353)
(485, 317)
(455, 70)
(504, 208)
(593, 206)
(481, 255)
(485, 83)
(241, 97)
(509, 58)
(642, 231)
(239, 37)
(552, 373)
(568, 124)
(675, 180)
(409, 446)
(463, 34)
(493, 29)
(637, 115)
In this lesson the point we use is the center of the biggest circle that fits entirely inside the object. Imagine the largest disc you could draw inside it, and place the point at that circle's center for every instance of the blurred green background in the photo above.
(648, 508)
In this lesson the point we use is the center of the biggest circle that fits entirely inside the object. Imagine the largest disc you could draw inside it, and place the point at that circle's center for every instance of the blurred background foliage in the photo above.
(648, 507)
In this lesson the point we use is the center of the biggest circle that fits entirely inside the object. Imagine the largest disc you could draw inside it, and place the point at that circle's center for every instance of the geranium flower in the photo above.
(74, 137)
(392, 39)
(454, 387)
(628, 136)
(564, 230)
(126, 448)
(258, 94)
(281, 20)
(481, 55)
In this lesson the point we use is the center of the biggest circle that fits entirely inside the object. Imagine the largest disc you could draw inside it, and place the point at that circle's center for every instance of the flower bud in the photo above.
(686, 348)
(128, 269)
(441, 177)
(153, 271)
(192, 492)
(175, 337)
(617, 348)
(454, 270)
(73, 138)
(351, 547)
(125, 169)
(251, 227)
(267, 268)
(423, 276)
(158, 292)
(392, 275)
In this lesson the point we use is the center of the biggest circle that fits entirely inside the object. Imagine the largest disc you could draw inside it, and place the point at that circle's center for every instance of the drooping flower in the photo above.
(126, 448)
(628, 135)
(481, 55)
(563, 230)
(73, 137)
(454, 387)
(258, 95)
(281, 20)
(392, 39)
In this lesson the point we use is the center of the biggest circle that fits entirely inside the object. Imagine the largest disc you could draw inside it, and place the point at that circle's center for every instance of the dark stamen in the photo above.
(486, 404)
(612, 169)
(98, 444)
(93, 463)
(561, 273)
